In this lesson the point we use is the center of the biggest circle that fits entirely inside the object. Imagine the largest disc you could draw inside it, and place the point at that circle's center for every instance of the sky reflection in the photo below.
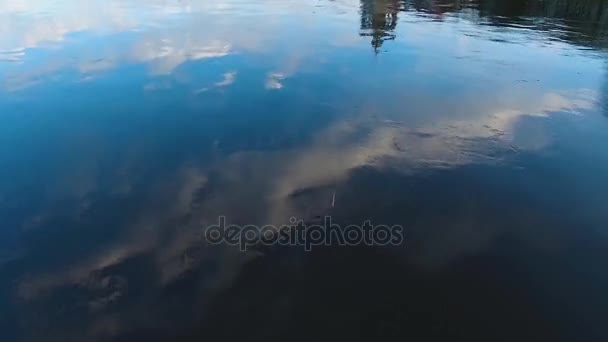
(129, 125)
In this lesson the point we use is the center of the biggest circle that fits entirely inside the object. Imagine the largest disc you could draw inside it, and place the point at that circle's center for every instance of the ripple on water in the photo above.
(12, 55)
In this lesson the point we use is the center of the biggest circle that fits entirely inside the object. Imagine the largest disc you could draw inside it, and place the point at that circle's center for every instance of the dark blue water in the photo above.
(128, 126)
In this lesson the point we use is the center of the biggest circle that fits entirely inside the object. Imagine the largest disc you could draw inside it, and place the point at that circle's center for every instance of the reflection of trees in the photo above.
(577, 21)
(582, 22)
(585, 20)
(378, 20)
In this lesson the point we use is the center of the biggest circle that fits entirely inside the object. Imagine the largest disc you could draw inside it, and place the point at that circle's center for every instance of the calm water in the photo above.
(128, 125)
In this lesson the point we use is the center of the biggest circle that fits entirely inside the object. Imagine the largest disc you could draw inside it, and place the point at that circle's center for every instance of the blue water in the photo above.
(128, 126)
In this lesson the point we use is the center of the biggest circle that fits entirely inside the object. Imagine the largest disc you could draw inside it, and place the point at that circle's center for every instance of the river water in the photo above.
(127, 126)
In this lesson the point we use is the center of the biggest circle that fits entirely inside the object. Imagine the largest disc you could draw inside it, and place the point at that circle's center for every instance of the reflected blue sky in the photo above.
(126, 126)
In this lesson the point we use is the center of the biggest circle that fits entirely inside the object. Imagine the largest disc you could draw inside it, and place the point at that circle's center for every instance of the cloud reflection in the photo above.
(273, 82)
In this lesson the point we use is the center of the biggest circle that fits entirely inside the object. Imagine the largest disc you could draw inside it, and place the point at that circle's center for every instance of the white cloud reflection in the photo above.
(437, 143)
(162, 34)
(164, 55)
(274, 79)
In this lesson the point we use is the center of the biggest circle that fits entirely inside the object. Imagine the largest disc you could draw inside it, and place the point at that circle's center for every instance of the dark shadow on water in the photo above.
(583, 22)
(514, 286)
(491, 254)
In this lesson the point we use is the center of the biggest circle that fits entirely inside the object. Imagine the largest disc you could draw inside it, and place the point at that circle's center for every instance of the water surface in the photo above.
(127, 126)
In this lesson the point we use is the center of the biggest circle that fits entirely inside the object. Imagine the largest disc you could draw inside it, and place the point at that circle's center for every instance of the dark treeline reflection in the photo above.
(583, 22)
